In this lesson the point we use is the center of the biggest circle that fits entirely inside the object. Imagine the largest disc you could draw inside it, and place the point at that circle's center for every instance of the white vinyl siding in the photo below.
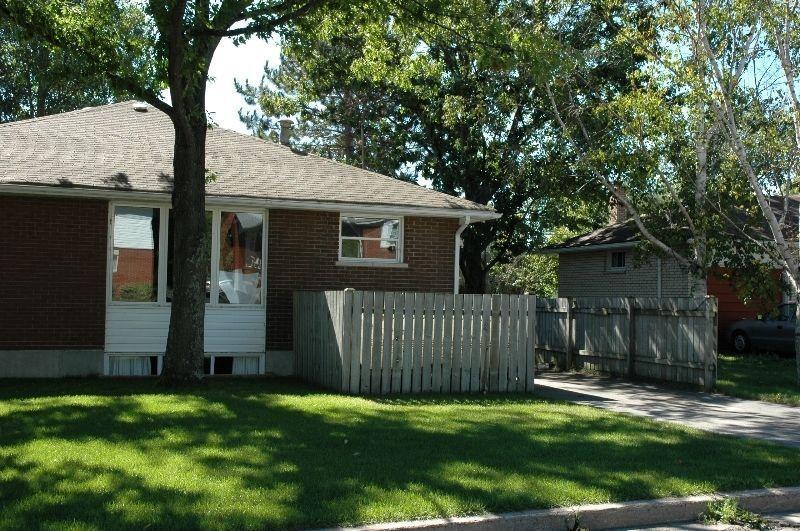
(586, 274)
(142, 329)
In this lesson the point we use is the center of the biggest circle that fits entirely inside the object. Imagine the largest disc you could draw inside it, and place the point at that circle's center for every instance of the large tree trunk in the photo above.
(183, 361)
(472, 266)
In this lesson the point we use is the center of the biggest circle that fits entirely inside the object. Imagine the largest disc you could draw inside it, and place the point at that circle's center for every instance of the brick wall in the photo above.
(302, 254)
(588, 274)
(52, 270)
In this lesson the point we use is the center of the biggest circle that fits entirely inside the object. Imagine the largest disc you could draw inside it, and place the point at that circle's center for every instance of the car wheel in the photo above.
(741, 343)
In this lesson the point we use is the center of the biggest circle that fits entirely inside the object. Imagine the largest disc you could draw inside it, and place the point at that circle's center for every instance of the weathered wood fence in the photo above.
(373, 342)
(668, 339)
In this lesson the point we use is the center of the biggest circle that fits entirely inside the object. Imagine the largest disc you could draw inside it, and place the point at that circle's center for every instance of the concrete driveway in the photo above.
(711, 412)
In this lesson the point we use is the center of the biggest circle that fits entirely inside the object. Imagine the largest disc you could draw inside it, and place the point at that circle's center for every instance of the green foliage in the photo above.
(664, 146)
(37, 79)
(108, 46)
(526, 273)
(727, 511)
(140, 292)
(337, 117)
(351, 248)
(530, 272)
(449, 94)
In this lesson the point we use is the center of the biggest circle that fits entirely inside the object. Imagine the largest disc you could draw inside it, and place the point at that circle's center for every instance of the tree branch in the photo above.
(260, 27)
(615, 191)
(727, 117)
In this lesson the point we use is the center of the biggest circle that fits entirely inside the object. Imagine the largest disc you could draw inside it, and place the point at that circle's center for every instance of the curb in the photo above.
(606, 515)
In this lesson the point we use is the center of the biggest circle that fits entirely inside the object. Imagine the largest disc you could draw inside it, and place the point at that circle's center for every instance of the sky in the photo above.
(244, 62)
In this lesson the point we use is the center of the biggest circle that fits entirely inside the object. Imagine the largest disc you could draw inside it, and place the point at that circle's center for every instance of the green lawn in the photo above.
(767, 378)
(107, 454)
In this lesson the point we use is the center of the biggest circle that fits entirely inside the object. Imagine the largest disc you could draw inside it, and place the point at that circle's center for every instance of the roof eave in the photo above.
(587, 248)
(220, 200)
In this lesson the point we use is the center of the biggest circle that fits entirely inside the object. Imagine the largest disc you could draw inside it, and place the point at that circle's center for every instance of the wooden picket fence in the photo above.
(372, 342)
(667, 339)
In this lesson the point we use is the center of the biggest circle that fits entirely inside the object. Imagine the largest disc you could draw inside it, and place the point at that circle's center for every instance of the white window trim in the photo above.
(397, 261)
(617, 269)
(163, 233)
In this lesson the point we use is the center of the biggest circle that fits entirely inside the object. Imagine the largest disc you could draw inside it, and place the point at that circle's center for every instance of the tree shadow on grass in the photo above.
(265, 454)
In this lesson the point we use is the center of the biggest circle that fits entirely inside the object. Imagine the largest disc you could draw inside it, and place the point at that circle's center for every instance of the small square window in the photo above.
(370, 239)
(618, 260)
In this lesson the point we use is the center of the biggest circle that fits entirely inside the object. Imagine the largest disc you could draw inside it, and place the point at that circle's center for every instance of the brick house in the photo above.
(601, 263)
(86, 239)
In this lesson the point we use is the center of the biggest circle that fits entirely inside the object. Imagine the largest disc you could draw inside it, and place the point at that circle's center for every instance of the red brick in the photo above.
(303, 250)
(53, 268)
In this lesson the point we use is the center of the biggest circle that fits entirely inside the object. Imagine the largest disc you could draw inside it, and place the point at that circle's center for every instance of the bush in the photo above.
(727, 511)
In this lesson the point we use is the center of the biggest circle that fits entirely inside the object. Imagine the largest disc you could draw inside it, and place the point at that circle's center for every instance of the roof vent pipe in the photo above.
(286, 130)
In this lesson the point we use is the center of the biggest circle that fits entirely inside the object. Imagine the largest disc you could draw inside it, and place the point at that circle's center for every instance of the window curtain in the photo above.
(244, 365)
(130, 366)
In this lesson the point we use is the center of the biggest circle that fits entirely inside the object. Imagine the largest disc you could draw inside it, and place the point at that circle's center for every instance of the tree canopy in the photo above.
(37, 79)
(453, 96)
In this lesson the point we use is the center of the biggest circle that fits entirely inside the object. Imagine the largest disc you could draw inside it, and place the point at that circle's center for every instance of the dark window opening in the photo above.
(618, 260)
(223, 365)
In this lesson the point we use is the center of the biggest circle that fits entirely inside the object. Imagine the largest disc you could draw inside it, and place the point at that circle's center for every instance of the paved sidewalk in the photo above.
(651, 515)
(779, 522)
(711, 412)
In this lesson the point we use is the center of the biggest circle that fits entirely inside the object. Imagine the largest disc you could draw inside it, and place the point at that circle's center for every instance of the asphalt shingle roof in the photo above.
(628, 232)
(618, 233)
(115, 147)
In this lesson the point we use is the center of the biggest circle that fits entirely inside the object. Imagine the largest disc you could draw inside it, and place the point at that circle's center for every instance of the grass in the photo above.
(767, 378)
(239, 453)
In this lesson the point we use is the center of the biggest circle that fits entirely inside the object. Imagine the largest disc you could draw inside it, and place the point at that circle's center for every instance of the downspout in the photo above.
(457, 265)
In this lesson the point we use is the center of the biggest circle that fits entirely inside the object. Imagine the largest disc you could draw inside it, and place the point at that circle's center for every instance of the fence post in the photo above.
(296, 365)
(356, 316)
(630, 305)
(570, 344)
(530, 364)
(710, 350)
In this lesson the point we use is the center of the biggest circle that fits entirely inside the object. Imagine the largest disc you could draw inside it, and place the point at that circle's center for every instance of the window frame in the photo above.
(216, 223)
(163, 249)
(400, 255)
(618, 269)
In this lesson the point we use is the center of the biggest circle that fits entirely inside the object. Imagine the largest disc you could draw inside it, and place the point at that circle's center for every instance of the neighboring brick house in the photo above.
(602, 263)
(87, 261)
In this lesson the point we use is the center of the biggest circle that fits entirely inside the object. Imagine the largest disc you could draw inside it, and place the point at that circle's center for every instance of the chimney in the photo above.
(286, 130)
(618, 213)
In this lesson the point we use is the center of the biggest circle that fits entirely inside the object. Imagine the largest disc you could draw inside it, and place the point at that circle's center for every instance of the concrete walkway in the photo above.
(778, 522)
(711, 412)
